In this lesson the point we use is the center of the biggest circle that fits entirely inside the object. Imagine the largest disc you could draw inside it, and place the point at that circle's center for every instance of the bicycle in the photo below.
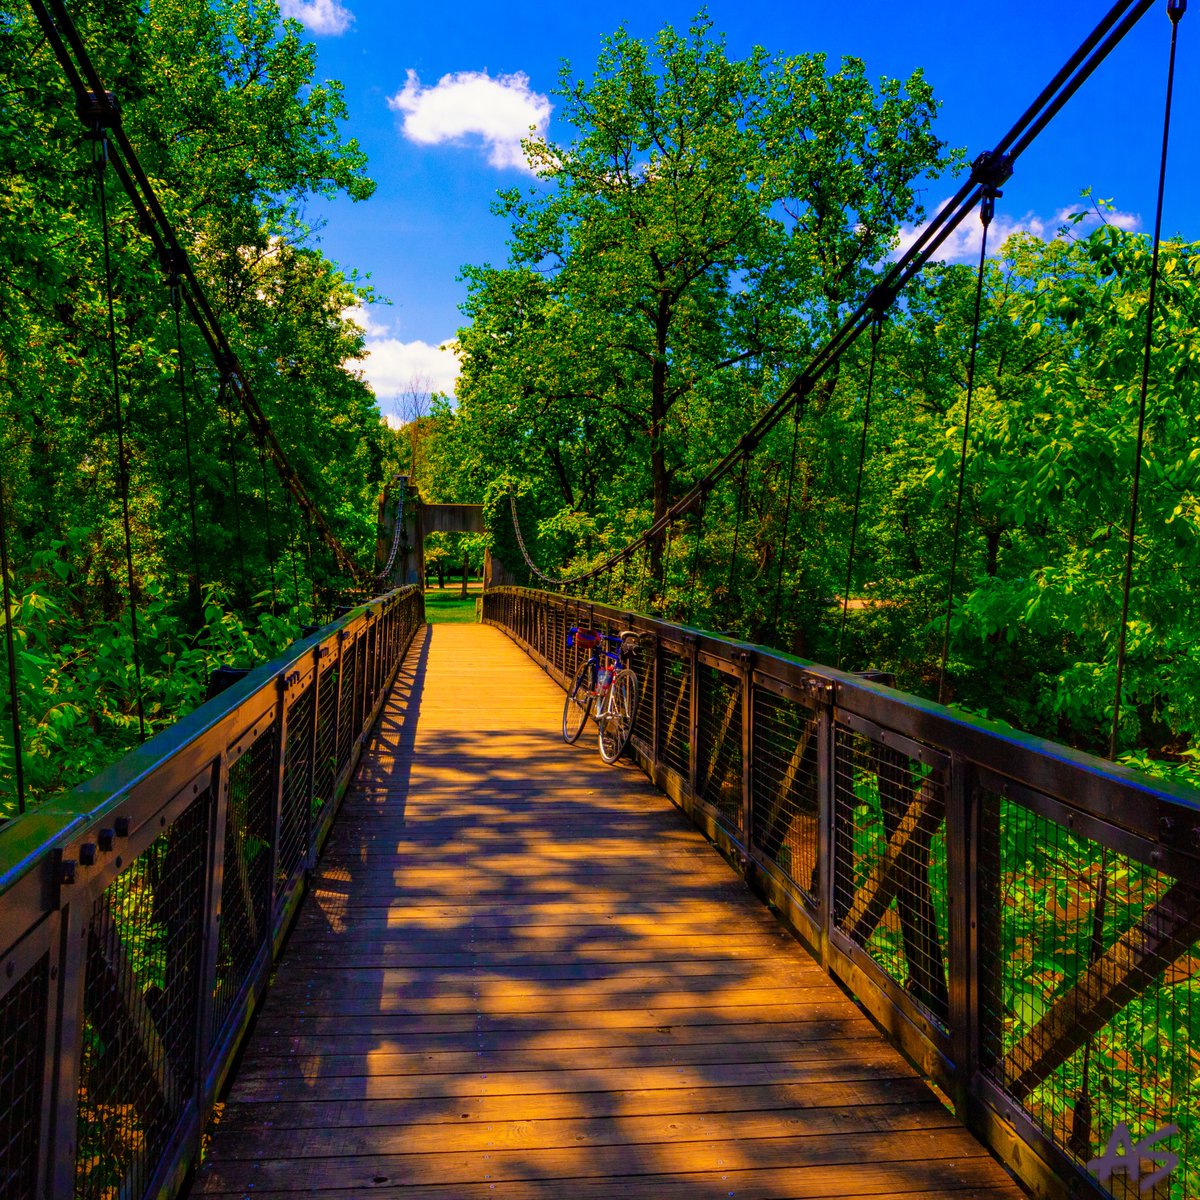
(605, 687)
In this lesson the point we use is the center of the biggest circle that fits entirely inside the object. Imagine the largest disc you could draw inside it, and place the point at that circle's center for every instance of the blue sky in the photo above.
(439, 96)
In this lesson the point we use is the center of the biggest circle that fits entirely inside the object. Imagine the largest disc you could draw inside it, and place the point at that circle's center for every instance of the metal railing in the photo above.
(1022, 919)
(140, 914)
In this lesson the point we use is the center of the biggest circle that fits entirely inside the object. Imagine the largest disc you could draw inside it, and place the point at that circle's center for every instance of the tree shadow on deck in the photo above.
(523, 973)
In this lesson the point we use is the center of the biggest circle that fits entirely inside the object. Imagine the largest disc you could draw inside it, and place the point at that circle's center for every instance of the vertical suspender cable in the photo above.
(876, 331)
(13, 694)
(312, 577)
(176, 285)
(987, 209)
(737, 531)
(266, 486)
(787, 514)
(237, 499)
(1175, 10)
(1081, 1118)
(100, 160)
(695, 560)
(666, 563)
(292, 548)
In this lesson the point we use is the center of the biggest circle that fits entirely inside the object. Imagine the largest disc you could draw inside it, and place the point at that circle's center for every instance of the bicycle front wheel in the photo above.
(578, 703)
(617, 724)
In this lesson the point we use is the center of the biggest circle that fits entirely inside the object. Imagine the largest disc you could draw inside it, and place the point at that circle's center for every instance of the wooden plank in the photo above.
(557, 1133)
(518, 1000)
(354, 1042)
(916, 1148)
(879, 1089)
(281, 1021)
(385, 1061)
(862, 1063)
(522, 973)
(965, 1179)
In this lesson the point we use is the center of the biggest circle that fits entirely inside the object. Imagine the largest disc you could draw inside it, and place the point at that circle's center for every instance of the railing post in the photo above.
(310, 782)
(281, 690)
(337, 704)
(961, 922)
(68, 1039)
(693, 670)
(745, 659)
(655, 731)
(210, 937)
(823, 700)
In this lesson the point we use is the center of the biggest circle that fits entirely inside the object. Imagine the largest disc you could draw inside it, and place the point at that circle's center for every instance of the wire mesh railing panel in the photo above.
(347, 733)
(325, 767)
(22, 1057)
(719, 702)
(141, 1009)
(246, 881)
(889, 866)
(366, 667)
(674, 713)
(785, 806)
(295, 810)
(643, 718)
(1090, 997)
(559, 639)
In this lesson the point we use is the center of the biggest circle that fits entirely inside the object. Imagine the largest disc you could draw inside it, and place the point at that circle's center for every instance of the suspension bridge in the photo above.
(362, 922)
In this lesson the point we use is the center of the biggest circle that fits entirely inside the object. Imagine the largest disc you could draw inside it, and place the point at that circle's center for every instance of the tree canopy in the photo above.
(684, 252)
(235, 131)
(682, 257)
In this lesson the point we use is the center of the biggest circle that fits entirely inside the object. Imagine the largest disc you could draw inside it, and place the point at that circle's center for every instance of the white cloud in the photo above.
(393, 367)
(499, 111)
(962, 246)
(319, 16)
(365, 319)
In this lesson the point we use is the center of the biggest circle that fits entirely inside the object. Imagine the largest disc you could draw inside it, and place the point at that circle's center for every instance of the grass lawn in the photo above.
(448, 605)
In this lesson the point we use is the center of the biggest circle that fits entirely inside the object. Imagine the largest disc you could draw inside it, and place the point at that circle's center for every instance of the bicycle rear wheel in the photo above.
(578, 702)
(617, 724)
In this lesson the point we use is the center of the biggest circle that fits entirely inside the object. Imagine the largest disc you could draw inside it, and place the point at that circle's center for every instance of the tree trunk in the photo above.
(466, 566)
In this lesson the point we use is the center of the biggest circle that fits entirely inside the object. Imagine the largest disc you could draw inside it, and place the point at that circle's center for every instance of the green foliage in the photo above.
(235, 132)
(78, 691)
(693, 244)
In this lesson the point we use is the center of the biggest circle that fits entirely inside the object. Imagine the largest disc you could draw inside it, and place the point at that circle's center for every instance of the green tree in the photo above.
(686, 250)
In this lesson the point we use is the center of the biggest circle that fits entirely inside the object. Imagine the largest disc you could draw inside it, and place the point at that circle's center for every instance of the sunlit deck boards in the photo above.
(522, 973)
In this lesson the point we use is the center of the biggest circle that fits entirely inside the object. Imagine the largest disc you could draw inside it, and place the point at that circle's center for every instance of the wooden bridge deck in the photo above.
(523, 974)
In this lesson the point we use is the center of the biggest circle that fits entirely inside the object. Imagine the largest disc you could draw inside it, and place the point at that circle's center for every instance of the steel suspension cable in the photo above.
(989, 171)
(397, 531)
(100, 161)
(14, 695)
(876, 332)
(987, 210)
(787, 516)
(95, 104)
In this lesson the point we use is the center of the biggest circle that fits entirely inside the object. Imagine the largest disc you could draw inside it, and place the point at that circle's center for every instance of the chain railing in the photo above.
(140, 914)
(1023, 920)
